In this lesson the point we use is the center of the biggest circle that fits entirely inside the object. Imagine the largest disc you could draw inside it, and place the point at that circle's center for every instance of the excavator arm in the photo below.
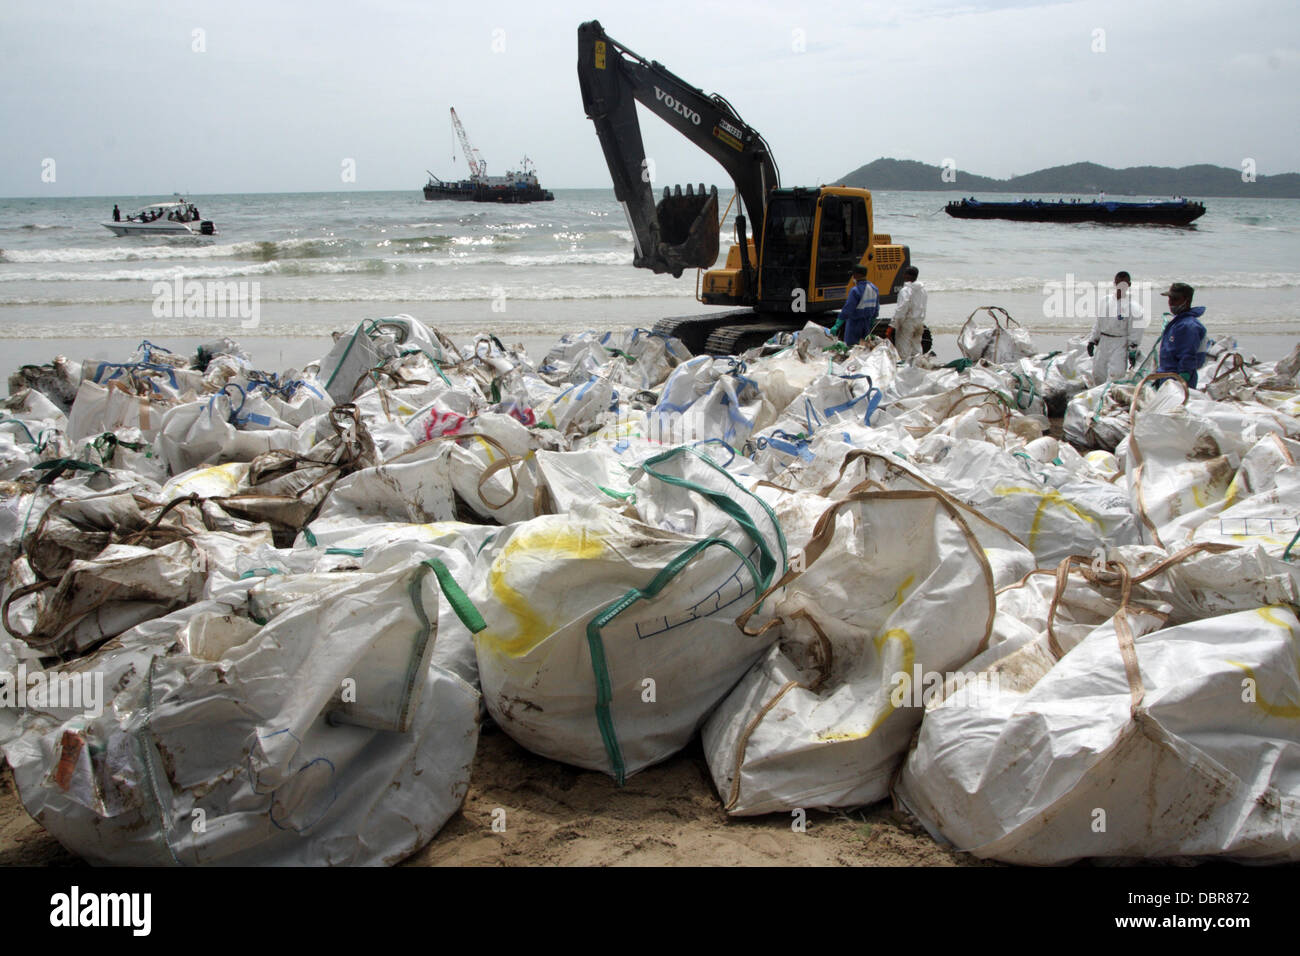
(681, 231)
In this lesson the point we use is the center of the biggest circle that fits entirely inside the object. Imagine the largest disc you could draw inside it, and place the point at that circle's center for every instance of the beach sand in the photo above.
(556, 815)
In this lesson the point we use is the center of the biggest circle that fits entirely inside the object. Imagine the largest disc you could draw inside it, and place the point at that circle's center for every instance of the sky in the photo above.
(127, 97)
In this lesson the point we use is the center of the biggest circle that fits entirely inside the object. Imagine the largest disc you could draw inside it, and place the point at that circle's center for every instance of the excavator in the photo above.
(797, 264)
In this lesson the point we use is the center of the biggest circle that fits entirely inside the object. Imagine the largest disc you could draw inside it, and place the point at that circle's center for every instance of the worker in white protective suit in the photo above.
(1116, 333)
(908, 322)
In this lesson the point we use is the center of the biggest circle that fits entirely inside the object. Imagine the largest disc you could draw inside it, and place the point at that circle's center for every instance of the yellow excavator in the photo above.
(806, 241)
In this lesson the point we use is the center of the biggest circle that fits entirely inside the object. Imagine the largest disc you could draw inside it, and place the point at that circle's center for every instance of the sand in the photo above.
(556, 815)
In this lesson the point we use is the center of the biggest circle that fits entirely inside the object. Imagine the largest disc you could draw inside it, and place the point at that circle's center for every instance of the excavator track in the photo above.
(734, 339)
(694, 330)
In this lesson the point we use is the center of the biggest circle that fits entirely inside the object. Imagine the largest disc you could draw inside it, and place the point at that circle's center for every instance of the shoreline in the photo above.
(295, 333)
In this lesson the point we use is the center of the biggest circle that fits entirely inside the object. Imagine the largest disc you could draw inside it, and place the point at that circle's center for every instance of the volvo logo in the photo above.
(676, 106)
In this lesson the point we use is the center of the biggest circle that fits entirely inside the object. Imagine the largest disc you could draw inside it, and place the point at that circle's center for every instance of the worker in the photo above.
(1182, 344)
(1116, 333)
(860, 309)
(117, 213)
(909, 315)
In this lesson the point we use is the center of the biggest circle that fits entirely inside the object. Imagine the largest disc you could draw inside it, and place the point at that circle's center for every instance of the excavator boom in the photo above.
(681, 231)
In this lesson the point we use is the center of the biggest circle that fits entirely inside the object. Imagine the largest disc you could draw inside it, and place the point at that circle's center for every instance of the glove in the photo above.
(1133, 356)
(1186, 377)
(835, 329)
(1092, 347)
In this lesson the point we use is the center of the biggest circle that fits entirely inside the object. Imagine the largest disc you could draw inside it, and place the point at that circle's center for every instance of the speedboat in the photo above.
(176, 217)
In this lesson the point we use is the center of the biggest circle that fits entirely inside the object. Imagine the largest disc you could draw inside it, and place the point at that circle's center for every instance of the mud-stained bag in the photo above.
(896, 586)
(1178, 743)
(609, 639)
(323, 738)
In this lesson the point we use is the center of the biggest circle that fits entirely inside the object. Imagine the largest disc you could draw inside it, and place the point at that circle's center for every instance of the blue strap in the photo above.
(716, 441)
(235, 418)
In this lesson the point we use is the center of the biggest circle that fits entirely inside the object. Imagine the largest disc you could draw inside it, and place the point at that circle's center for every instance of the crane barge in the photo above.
(516, 186)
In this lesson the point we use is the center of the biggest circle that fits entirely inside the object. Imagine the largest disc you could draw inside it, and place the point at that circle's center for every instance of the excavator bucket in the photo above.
(688, 228)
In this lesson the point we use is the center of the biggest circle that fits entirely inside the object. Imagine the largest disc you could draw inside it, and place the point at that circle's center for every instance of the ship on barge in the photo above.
(521, 186)
(515, 186)
(1179, 212)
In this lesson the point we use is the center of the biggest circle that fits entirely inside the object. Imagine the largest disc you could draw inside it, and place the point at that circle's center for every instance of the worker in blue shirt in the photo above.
(1183, 340)
(860, 310)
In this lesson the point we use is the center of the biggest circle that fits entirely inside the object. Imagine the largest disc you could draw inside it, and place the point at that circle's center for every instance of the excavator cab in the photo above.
(811, 240)
(788, 236)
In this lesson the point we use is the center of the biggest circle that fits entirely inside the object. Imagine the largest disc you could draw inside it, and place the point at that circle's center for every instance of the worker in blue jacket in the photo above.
(1183, 340)
(860, 310)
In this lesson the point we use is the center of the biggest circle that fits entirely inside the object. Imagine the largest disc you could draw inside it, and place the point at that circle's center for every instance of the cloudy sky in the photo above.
(130, 97)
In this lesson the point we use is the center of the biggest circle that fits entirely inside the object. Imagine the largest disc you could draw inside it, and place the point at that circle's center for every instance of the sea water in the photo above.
(320, 262)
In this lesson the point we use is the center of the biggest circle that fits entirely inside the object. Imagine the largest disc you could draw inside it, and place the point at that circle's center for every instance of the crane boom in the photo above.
(477, 168)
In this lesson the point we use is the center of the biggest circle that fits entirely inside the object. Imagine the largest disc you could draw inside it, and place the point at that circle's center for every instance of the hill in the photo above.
(1082, 178)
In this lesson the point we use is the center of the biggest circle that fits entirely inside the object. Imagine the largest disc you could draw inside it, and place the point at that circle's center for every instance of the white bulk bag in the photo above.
(584, 609)
(896, 586)
(323, 738)
(1181, 743)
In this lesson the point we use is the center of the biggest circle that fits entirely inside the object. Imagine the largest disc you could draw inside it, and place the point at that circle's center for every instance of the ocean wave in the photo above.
(187, 248)
(146, 275)
(300, 248)
(408, 264)
(1035, 284)
(388, 294)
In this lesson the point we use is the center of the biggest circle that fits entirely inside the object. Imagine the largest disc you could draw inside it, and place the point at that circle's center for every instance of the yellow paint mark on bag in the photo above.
(1286, 711)
(1047, 496)
(538, 547)
(1267, 614)
(901, 593)
(909, 659)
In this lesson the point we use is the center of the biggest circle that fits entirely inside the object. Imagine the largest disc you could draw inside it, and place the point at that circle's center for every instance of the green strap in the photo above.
(21, 424)
(111, 442)
(456, 597)
(344, 356)
(1021, 381)
(311, 538)
(1286, 555)
(766, 563)
(438, 368)
(57, 466)
(1101, 400)
(596, 643)
(350, 552)
(252, 572)
(620, 495)
(23, 536)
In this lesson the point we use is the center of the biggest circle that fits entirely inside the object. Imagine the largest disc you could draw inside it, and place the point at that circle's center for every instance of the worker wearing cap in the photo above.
(860, 309)
(1183, 340)
(1116, 333)
(908, 322)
